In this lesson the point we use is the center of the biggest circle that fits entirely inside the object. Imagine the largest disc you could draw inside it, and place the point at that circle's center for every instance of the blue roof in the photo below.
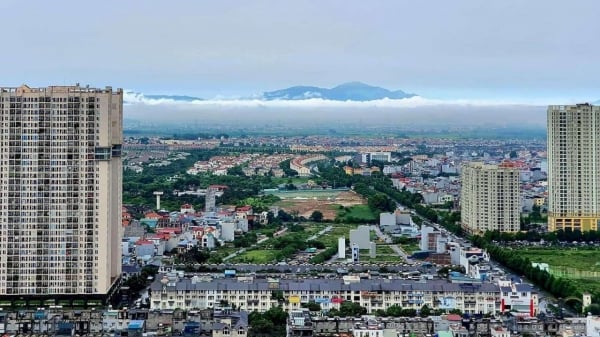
(130, 268)
(136, 325)
(149, 222)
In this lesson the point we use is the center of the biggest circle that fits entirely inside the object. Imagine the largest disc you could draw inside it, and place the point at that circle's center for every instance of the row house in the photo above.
(262, 294)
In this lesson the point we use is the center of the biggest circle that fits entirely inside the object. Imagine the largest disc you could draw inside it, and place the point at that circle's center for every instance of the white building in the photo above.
(342, 247)
(518, 298)
(228, 231)
(62, 184)
(573, 167)
(592, 326)
(361, 237)
(490, 198)
(387, 219)
(367, 157)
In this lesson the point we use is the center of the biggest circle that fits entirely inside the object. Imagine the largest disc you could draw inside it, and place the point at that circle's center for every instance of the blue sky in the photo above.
(472, 49)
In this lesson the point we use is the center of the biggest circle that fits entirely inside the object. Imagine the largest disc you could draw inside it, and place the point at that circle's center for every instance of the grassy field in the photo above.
(580, 266)
(385, 249)
(255, 256)
(331, 238)
(364, 257)
(313, 228)
(579, 259)
(317, 194)
(409, 248)
(357, 213)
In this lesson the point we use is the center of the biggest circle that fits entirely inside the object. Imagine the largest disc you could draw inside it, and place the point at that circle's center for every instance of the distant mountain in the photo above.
(351, 91)
(177, 98)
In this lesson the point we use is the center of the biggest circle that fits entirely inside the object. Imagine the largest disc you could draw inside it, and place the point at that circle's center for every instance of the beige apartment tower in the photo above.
(573, 167)
(60, 199)
(490, 198)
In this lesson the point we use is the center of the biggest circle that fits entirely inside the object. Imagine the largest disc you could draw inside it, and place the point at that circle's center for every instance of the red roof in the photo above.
(160, 236)
(143, 242)
(169, 230)
(153, 215)
(453, 317)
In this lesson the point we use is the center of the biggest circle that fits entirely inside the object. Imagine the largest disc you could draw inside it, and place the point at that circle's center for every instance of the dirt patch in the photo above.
(329, 207)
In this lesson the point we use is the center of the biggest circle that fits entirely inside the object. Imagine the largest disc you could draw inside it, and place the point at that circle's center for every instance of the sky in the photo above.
(465, 49)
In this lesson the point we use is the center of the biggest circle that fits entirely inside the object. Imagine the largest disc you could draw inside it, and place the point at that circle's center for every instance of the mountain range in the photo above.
(351, 91)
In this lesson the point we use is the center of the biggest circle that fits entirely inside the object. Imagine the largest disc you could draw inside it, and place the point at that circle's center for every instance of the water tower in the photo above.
(158, 194)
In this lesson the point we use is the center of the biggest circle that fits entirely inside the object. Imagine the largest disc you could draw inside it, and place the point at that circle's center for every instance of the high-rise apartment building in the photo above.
(574, 167)
(490, 198)
(60, 197)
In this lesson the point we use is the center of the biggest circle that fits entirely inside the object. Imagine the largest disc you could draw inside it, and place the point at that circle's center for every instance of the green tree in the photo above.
(593, 308)
(312, 306)
(394, 311)
(316, 216)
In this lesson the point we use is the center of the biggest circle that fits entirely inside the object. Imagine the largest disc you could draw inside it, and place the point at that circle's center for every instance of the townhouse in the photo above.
(248, 293)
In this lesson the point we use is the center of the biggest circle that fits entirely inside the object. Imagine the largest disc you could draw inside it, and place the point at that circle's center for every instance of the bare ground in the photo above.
(329, 208)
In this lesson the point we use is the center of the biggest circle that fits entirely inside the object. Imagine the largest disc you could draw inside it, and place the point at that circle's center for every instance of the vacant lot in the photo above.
(327, 202)
(358, 213)
(582, 259)
(580, 265)
(259, 256)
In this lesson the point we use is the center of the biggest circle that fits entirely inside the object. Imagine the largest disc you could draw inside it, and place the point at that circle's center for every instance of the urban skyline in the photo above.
(300, 169)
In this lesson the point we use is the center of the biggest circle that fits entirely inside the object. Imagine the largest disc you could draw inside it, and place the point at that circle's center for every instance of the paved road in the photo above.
(323, 231)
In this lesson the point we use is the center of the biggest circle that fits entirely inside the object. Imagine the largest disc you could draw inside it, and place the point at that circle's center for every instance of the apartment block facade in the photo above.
(171, 292)
(60, 197)
(490, 198)
(573, 167)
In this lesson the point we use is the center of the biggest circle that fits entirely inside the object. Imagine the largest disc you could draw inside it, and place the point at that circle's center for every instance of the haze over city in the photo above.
(466, 54)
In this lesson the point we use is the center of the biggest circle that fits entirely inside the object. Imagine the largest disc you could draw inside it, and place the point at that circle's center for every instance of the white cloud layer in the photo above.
(134, 98)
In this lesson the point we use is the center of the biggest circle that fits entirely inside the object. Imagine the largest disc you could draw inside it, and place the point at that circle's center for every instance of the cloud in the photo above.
(133, 98)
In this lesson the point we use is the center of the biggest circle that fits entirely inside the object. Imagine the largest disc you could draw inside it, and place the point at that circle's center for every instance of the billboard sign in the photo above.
(447, 303)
